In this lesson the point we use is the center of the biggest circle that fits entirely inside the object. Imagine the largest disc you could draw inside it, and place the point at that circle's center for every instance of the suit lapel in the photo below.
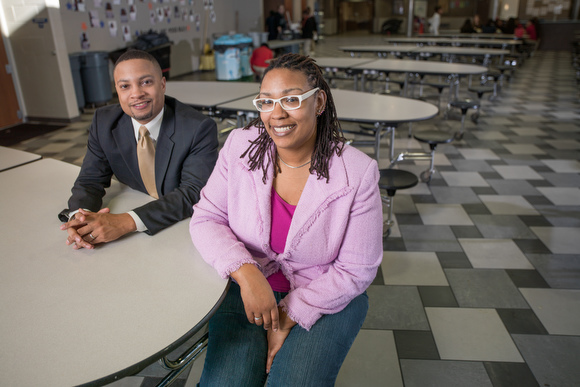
(124, 136)
(164, 147)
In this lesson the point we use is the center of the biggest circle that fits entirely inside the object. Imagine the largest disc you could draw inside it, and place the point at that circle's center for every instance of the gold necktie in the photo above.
(146, 157)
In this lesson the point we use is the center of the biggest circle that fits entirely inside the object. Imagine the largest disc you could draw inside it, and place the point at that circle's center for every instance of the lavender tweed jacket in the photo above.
(334, 244)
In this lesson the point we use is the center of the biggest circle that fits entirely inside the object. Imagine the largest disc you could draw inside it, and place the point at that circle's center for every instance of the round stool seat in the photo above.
(464, 104)
(433, 137)
(393, 179)
(481, 89)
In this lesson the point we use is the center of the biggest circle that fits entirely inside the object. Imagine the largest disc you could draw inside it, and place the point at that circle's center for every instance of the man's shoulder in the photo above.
(182, 110)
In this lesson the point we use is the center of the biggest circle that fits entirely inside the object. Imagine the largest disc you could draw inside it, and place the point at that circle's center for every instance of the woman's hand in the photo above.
(277, 338)
(258, 297)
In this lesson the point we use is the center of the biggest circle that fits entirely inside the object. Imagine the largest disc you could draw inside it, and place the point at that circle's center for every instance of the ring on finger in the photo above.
(91, 235)
(258, 318)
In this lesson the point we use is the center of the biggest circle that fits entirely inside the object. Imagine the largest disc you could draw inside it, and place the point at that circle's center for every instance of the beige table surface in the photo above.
(74, 317)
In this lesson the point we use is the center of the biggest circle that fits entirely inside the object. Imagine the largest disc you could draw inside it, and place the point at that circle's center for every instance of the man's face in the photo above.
(141, 89)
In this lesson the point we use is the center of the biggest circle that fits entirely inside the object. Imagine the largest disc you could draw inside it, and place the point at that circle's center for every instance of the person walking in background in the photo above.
(435, 20)
(309, 31)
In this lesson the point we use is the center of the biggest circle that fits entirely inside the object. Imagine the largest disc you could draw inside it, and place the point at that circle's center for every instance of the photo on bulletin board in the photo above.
(420, 8)
(94, 18)
(124, 16)
(132, 13)
(85, 44)
(113, 28)
(109, 11)
(126, 33)
(152, 16)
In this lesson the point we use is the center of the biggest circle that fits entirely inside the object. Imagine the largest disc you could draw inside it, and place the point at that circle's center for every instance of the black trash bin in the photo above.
(75, 67)
(95, 77)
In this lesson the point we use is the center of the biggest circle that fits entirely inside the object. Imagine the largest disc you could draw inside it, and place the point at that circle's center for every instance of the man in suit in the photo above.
(150, 142)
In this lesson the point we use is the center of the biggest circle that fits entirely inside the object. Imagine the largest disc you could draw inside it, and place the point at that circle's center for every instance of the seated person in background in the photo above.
(477, 24)
(150, 142)
(467, 27)
(489, 27)
(531, 30)
(294, 216)
(260, 58)
(519, 31)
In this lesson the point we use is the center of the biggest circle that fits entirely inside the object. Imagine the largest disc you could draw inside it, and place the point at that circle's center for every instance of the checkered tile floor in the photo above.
(480, 282)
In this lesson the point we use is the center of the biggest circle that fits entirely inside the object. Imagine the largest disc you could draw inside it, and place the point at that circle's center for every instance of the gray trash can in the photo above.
(75, 67)
(95, 76)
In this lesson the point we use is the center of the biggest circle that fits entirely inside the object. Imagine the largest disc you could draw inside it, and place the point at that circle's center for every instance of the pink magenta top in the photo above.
(282, 214)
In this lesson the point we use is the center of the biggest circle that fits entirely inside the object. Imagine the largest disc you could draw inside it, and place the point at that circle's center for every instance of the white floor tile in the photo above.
(494, 254)
(447, 214)
(471, 334)
(412, 268)
(562, 196)
(560, 240)
(371, 361)
(508, 205)
(517, 172)
(557, 309)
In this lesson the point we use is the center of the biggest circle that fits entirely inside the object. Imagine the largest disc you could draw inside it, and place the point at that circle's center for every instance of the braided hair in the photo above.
(329, 137)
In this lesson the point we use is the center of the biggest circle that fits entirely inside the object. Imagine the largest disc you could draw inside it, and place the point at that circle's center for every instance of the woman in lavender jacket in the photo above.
(294, 217)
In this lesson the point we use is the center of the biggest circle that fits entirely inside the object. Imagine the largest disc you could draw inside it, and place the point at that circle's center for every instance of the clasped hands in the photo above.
(89, 228)
(261, 308)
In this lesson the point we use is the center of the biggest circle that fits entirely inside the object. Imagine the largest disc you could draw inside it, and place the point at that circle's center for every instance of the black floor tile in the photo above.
(527, 278)
(535, 221)
(521, 321)
(466, 232)
(437, 297)
(484, 191)
(532, 246)
(537, 200)
(454, 260)
(423, 199)
(394, 244)
(476, 209)
(409, 219)
(490, 175)
(510, 375)
(416, 345)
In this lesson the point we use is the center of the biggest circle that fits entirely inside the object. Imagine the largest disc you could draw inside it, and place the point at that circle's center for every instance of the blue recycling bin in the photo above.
(75, 67)
(95, 77)
(245, 44)
(227, 58)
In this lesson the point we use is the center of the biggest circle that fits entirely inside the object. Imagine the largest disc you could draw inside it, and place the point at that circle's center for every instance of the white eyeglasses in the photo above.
(289, 102)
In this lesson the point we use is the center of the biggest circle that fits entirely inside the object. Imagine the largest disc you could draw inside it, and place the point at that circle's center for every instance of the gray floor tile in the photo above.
(421, 373)
(429, 238)
(557, 309)
(484, 288)
(395, 307)
(552, 359)
(502, 226)
(559, 270)
(510, 374)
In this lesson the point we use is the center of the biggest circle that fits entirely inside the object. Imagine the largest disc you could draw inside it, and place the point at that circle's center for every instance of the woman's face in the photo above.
(292, 130)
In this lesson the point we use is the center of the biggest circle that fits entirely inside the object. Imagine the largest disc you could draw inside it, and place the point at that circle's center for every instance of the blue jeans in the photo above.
(237, 350)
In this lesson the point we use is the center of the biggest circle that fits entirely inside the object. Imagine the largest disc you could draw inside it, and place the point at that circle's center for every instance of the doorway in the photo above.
(10, 107)
(355, 16)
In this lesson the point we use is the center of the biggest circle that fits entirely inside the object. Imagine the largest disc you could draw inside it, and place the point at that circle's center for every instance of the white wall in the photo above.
(186, 35)
(39, 56)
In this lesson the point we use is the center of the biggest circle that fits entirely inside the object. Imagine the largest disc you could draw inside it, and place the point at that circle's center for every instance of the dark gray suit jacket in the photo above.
(185, 155)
